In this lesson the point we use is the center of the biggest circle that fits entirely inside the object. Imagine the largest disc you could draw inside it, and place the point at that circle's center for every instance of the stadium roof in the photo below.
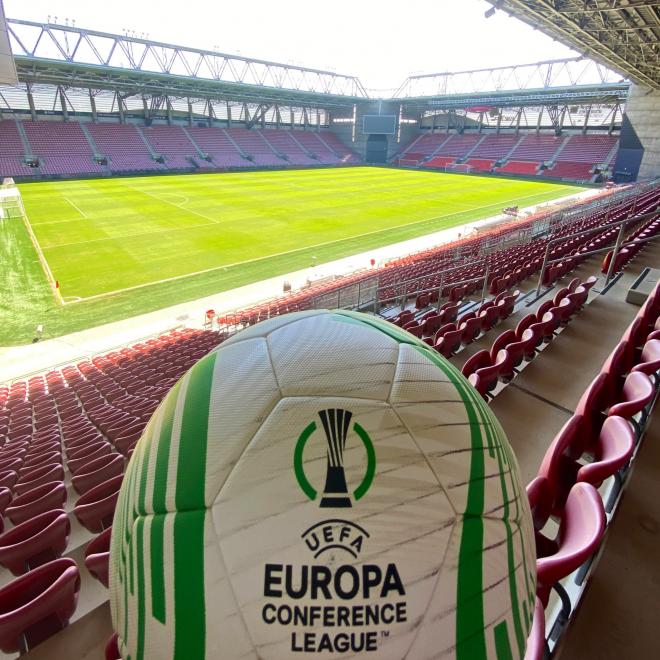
(622, 34)
(7, 70)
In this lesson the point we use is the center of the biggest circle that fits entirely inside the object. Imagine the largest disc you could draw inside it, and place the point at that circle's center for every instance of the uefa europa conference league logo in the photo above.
(371, 594)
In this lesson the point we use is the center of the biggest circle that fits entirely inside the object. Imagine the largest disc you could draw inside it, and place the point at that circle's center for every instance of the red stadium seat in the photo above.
(38, 500)
(38, 604)
(94, 509)
(35, 541)
(581, 529)
(97, 471)
(97, 556)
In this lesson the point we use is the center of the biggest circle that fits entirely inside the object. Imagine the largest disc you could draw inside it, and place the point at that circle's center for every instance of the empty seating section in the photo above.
(480, 164)
(422, 147)
(495, 147)
(569, 170)
(519, 167)
(536, 148)
(66, 435)
(285, 143)
(62, 147)
(592, 149)
(575, 155)
(315, 145)
(217, 144)
(123, 147)
(172, 143)
(346, 155)
(76, 427)
(12, 152)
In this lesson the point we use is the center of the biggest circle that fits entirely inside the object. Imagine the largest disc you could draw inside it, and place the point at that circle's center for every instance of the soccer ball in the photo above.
(322, 483)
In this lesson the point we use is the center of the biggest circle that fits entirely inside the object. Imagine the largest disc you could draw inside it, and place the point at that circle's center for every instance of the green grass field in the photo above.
(145, 243)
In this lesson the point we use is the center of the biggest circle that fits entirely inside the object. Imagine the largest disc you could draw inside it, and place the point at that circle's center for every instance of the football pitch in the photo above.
(123, 246)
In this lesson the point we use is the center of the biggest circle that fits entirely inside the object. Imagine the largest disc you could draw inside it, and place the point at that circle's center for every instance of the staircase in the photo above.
(411, 145)
(194, 144)
(306, 151)
(442, 144)
(320, 137)
(476, 144)
(240, 151)
(553, 160)
(613, 152)
(90, 141)
(513, 148)
(27, 147)
(157, 157)
(279, 154)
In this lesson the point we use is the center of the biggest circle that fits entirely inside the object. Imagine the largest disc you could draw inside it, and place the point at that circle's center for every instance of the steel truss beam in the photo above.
(536, 76)
(47, 44)
(623, 35)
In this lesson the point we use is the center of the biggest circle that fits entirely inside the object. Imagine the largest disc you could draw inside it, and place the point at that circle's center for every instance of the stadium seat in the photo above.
(470, 328)
(38, 500)
(95, 508)
(35, 541)
(581, 529)
(449, 342)
(97, 471)
(637, 393)
(97, 556)
(649, 360)
(485, 379)
(38, 604)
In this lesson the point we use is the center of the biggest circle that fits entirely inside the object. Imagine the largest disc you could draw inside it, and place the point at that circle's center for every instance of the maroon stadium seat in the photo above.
(38, 604)
(97, 556)
(35, 541)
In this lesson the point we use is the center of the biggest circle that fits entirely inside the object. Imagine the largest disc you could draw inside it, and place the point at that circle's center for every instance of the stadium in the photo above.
(175, 224)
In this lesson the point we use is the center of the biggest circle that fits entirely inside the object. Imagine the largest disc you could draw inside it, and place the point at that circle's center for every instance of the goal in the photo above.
(11, 204)
(459, 167)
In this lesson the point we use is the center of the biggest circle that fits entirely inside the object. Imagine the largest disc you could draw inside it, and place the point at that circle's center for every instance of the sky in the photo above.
(381, 42)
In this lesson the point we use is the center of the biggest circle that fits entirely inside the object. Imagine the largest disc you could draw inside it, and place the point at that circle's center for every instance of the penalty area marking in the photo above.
(175, 278)
(84, 215)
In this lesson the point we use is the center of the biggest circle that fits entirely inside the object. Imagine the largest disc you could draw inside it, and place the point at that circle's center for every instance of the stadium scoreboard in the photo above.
(379, 124)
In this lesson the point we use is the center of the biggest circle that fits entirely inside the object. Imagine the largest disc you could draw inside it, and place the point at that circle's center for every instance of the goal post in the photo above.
(11, 204)
(459, 167)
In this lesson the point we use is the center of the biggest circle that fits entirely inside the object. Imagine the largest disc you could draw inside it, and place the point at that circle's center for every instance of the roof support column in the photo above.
(499, 121)
(586, 119)
(146, 109)
(33, 110)
(293, 118)
(209, 111)
(518, 117)
(120, 108)
(614, 111)
(228, 114)
(190, 113)
(538, 121)
(92, 103)
(168, 110)
(65, 112)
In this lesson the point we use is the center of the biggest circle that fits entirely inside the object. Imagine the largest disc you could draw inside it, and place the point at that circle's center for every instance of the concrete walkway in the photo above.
(20, 361)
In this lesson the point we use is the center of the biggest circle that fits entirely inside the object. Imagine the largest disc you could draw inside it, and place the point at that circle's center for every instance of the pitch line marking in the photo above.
(177, 206)
(174, 278)
(84, 215)
(276, 254)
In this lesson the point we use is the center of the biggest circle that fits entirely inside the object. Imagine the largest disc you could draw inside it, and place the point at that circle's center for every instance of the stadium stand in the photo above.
(124, 147)
(66, 148)
(12, 152)
(172, 143)
(62, 148)
(68, 433)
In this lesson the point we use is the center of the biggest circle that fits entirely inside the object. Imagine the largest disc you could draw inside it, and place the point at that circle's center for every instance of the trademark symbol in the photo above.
(384, 633)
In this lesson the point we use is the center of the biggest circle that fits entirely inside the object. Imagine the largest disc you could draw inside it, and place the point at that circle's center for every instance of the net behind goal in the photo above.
(459, 167)
(11, 204)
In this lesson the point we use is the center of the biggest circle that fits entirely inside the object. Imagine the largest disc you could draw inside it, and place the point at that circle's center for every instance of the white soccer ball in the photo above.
(322, 483)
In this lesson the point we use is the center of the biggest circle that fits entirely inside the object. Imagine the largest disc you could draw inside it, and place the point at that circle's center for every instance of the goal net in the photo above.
(459, 167)
(11, 204)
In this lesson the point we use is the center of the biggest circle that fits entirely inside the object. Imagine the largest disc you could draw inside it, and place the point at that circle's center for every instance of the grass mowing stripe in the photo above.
(189, 620)
(261, 212)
